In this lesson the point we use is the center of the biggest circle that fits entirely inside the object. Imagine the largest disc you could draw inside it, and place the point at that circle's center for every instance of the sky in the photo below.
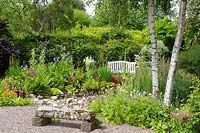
(90, 8)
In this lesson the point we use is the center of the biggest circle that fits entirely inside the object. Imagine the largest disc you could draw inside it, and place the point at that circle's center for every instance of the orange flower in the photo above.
(14, 93)
(6, 93)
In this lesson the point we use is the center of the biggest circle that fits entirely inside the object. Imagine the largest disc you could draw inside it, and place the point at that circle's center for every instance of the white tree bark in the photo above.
(154, 56)
(175, 53)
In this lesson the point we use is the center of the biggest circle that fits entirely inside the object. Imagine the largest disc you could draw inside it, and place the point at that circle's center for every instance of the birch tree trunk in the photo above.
(175, 53)
(154, 56)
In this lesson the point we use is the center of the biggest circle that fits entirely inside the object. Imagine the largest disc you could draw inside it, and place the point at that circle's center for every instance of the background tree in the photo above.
(154, 55)
(112, 12)
(175, 52)
(135, 12)
(192, 30)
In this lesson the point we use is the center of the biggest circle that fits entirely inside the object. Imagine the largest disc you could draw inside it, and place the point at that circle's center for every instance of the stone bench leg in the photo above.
(38, 121)
(87, 126)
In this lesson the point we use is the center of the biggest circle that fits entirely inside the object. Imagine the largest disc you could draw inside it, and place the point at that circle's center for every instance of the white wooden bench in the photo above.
(122, 66)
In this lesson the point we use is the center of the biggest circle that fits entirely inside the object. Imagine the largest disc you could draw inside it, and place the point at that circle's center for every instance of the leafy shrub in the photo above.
(181, 91)
(162, 50)
(189, 60)
(78, 44)
(81, 18)
(115, 34)
(120, 107)
(11, 98)
(90, 85)
(165, 31)
(123, 49)
(193, 106)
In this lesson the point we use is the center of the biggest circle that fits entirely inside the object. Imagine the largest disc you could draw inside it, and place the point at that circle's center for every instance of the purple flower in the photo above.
(32, 73)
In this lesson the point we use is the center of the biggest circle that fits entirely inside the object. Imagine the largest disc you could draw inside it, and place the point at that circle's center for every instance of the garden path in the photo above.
(18, 120)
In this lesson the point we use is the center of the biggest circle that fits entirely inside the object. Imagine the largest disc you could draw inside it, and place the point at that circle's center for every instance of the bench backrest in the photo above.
(122, 66)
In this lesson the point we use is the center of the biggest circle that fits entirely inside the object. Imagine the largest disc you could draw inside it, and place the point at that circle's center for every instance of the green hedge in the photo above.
(108, 44)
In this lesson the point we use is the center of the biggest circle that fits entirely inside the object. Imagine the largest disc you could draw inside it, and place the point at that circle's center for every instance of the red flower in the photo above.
(115, 79)
(70, 79)
(115, 85)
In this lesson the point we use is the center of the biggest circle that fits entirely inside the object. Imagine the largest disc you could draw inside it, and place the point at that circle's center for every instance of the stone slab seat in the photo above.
(44, 114)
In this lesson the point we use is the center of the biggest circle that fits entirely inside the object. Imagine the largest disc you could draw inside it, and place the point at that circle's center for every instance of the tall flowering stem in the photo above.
(32, 73)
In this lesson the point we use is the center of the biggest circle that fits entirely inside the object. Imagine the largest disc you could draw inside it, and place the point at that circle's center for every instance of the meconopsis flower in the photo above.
(32, 73)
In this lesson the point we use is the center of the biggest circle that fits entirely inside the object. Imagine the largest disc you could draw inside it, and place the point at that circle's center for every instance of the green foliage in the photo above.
(55, 91)
(39, 79)
(189, 60)
(165, 31)
(182, 83)
(21, 101)
(8, 97)
(141, 82)
(114, 13)
(40, 16)
(191, 36)
(123, 49)
(71, 89)
(81, 18)
(120, 107)
(90, 85)
(14, 70)
(104, 74)
(81, 44)
(115, 34)
(130, 14)
(193, 105)
(162, 50)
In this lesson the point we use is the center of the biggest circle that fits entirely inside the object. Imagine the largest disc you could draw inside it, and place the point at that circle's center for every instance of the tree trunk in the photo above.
(154, 62)
(175, 53)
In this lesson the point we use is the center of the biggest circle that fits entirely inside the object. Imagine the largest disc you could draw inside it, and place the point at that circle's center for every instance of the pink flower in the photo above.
(20, 91)
(32, 73)
(6, 86)
(26, 92)
(174, 115)
(184, 116)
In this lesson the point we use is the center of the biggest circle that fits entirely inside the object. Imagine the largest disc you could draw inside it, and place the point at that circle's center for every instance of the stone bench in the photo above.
(46, 112)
